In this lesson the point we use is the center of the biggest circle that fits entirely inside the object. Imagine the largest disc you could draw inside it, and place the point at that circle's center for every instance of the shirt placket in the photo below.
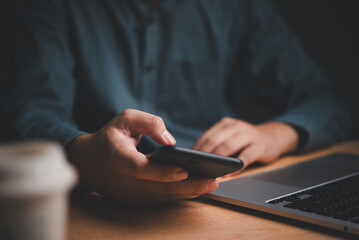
(150, 60)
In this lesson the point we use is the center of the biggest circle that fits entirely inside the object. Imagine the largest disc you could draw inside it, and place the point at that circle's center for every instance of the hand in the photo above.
(249, 142)
(109, 162)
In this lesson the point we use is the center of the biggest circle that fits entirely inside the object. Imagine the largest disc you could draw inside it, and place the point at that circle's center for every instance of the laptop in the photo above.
(322, 191)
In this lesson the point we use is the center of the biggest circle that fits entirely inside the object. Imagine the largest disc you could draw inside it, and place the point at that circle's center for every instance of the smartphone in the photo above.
(197, 163)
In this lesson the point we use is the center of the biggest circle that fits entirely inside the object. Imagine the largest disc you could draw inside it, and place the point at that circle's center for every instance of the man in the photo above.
(222, 76)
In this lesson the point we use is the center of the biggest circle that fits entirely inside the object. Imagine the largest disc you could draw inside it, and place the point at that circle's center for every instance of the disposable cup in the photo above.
(35, 179)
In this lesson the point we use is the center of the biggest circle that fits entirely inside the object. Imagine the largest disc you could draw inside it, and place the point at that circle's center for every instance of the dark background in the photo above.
(7, 20)
(328, 30)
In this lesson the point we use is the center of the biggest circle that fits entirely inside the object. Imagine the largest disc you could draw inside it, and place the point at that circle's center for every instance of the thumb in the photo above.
(248, 155)
(141, 123)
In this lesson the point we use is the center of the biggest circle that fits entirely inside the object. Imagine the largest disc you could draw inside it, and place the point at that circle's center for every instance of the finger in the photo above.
(218, 139)
(232, 144)
(140, 167)
(249, 155)
(212, 137)
(141, 123)
(213, 130)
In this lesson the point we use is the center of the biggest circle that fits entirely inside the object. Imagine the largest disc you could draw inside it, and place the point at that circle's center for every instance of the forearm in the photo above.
(323, 121)
(32, 121)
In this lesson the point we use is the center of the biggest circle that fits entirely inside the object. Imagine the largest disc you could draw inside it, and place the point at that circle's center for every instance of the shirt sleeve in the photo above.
(42, 99)
(282, 73)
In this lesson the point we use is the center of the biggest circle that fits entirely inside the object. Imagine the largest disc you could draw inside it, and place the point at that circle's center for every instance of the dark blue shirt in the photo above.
(192, 62)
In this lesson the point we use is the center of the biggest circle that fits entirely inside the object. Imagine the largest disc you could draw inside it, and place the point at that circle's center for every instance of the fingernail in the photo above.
(211, 185)
(180, 174)
(169, 138)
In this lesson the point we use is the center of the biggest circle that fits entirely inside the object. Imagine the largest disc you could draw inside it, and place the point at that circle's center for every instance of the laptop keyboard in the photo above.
(339, 200)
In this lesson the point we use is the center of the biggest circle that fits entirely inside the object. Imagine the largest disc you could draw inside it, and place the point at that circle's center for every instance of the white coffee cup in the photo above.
(35, 179)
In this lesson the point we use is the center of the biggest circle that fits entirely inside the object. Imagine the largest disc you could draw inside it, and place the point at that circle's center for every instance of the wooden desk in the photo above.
(92, 217)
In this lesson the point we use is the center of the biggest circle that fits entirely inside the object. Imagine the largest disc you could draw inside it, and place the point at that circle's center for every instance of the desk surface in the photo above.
(92, 217)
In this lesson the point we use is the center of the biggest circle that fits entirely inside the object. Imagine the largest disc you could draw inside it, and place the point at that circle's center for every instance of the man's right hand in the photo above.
(109, 162)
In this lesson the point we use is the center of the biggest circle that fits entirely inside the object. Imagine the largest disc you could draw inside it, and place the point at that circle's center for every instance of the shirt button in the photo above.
(149, 68)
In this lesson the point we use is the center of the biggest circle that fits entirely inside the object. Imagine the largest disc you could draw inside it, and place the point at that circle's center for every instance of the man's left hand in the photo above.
(249, 142)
